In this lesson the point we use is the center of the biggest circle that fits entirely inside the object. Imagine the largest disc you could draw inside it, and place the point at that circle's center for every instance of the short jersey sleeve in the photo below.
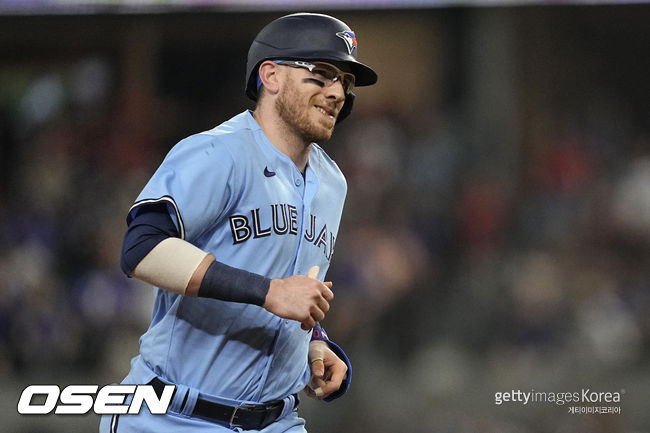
(195, 181)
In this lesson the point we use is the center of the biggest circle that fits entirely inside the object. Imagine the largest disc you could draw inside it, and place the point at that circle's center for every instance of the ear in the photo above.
(268, 73)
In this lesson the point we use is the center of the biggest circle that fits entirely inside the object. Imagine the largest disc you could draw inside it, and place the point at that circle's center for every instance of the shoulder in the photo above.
(226, 140)
(236, 127)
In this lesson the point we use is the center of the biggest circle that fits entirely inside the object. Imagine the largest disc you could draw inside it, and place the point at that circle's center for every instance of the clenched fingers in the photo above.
(299, 298)
(327, 292)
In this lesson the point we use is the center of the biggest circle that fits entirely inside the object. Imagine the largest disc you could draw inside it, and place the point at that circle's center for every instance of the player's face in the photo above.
(308, 107)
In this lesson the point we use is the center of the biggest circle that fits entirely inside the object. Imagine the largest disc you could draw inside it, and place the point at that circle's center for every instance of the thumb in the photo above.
(318, 368)
(317, 357)
(313, 272)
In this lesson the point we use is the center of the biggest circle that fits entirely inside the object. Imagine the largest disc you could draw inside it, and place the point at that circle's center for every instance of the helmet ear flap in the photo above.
(347, 107)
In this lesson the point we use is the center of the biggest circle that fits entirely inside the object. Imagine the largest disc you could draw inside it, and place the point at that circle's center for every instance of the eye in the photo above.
(324, 74)
(348, 83)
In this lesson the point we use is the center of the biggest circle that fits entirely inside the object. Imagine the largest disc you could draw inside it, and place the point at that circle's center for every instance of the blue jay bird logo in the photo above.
(350, 40)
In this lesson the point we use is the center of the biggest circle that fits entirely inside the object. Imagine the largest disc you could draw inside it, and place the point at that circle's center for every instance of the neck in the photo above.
(285, 140)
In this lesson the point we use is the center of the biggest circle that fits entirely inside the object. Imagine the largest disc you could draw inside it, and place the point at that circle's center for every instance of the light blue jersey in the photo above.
(232, 193)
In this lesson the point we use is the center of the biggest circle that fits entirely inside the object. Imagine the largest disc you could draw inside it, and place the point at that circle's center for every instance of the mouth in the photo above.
(330, 113)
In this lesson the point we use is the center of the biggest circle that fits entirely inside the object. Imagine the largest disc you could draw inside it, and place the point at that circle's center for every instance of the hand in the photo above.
(304, 299)
(328, 371)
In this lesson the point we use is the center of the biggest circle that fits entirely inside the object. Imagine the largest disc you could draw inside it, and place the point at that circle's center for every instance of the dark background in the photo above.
(496, 234)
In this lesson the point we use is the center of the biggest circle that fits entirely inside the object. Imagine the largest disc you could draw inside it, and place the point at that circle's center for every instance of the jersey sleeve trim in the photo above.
(164, 199)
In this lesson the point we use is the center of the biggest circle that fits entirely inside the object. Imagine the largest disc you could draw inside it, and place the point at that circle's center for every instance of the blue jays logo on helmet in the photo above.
(350, 40)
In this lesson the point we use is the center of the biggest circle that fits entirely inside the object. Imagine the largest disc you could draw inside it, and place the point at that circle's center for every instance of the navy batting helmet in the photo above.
(307, 36)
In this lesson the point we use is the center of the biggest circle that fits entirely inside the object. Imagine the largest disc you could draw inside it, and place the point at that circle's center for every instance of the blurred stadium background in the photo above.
(497, 229)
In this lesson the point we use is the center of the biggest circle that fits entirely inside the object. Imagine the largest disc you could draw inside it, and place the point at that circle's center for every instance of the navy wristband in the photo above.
(319, 333)
(235, 285)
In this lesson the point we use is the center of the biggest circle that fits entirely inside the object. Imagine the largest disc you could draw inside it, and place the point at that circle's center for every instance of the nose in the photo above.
(335, 91)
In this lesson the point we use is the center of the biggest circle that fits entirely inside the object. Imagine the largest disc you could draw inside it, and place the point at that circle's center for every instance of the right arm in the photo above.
(153, 251)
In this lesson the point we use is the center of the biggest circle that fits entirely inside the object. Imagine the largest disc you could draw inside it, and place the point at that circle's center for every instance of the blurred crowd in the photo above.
(454, 278)
(458, 278)
(72, 162)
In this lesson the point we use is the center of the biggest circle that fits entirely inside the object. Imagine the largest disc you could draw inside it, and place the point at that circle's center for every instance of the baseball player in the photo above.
(236, 230)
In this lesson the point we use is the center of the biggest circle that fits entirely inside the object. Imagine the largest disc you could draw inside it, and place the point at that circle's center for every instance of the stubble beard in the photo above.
(298, 120)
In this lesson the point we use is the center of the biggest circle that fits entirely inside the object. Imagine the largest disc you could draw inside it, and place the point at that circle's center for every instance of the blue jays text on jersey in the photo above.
(283, 221)
(233, 194)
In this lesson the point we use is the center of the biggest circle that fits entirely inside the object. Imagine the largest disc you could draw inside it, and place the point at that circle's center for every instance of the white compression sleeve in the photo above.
(170, 265)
